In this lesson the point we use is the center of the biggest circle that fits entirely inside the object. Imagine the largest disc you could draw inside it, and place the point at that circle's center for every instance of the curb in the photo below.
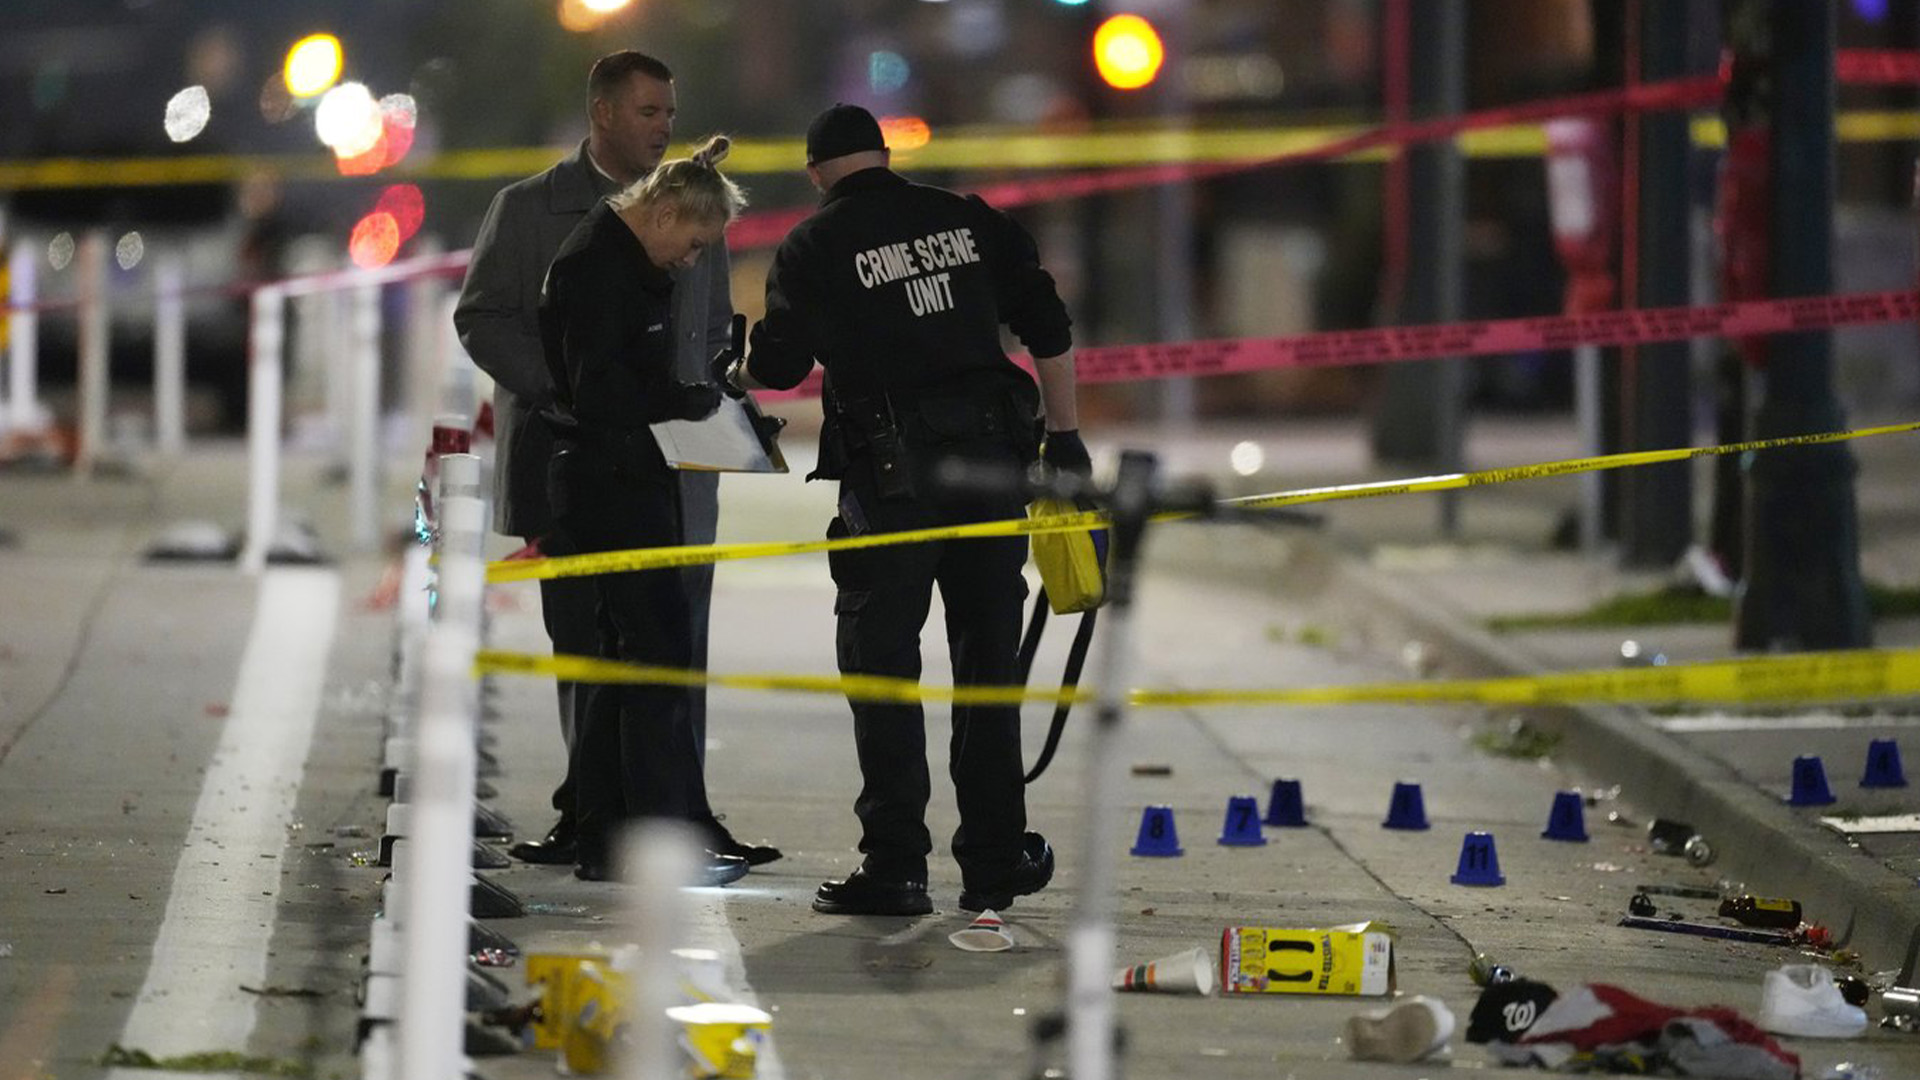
(1869, 907)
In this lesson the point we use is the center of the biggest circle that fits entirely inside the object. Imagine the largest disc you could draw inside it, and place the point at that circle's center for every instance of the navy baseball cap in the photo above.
(842, 130)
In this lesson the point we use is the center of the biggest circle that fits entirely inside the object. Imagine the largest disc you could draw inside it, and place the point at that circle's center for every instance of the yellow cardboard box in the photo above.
(554, 973)
(1356, 959)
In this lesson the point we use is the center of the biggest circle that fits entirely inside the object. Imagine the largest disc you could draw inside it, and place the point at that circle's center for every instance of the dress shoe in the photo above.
(557, 848)
(714, 869)
(721, 842)
(860, 894)
(995, 890)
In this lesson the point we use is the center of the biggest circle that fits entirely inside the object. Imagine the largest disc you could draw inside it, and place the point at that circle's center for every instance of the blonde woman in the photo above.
(606, 327)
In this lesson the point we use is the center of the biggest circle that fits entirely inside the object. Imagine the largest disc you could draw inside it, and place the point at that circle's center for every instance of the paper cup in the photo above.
(721, 1041)
(1187, 972)
(988, 933)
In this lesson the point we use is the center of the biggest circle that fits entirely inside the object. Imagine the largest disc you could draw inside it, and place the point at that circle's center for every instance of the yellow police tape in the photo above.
(957, 148)
(610, 562)
(1808, 677)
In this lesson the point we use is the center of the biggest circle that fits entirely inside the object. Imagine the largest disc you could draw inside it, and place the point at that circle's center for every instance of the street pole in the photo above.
(1419, 421)
(1803, 588)
(1656, 511)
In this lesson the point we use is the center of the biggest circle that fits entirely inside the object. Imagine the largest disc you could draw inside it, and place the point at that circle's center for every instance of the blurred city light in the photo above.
(1071, 3)
(1128, 52)
(312, 65)
(1247, 458)
(1874, 11)
(60, 251)
(605, 7)
(187, 113)
(130, 250)
(887, 71)
(348, 120)
(277, 104)
(406, 205)
(581, 16)
(375, 241)
(905, 134)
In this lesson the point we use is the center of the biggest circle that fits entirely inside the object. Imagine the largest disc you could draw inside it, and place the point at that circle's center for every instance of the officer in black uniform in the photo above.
(899, 290)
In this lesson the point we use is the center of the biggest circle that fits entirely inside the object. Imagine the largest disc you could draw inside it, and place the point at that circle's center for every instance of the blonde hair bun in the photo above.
(713, 152)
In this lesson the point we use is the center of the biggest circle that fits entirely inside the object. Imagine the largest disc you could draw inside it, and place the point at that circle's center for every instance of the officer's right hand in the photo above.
(696, 401)
(1064, 451)
(720, 370)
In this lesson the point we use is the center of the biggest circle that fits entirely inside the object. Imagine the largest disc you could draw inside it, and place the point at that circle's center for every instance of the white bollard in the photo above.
(420, 385)
(457, 393)
(363, 432)
(659, 859)
(432, 1013)
(23, 338)
(91, 264)
(169, 355)
(266, 336)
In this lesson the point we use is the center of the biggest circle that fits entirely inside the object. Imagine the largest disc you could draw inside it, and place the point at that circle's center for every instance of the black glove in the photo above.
(1064, 451)
(696, 401)
(720, 369)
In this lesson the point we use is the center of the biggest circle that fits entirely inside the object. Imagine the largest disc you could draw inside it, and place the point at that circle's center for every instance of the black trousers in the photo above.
(884, 596)
(570, 608)
(634, 752)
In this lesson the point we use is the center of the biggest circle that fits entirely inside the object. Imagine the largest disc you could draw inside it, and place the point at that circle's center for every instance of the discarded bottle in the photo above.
(1764, 911)
(1484, 972)
(1698, 851)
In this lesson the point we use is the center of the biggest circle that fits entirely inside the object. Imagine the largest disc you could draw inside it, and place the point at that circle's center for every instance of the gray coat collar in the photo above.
(573, 187)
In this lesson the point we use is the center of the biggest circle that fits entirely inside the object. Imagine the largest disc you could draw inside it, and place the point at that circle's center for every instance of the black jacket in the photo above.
(606, 325)
(901, 288)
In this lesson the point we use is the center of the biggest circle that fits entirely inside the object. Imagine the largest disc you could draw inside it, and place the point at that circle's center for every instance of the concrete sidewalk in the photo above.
(1725, 772)
(859, 999)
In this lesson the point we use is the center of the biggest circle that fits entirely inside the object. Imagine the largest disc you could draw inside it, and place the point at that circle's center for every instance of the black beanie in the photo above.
(842, 130)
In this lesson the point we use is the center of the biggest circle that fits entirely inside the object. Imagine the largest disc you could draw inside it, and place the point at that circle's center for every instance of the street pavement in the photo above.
(117, 679)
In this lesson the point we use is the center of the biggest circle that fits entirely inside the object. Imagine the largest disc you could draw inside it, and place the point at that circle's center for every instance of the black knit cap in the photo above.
(842, 130)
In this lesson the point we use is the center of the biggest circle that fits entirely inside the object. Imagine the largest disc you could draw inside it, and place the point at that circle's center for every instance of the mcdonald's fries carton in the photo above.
(1356, 959)
(555, 974)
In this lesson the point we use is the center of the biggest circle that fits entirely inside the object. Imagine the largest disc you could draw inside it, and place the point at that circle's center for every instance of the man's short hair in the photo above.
(612, 71)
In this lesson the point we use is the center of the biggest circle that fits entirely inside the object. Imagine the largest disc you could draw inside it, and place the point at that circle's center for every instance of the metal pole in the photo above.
(1803, 588)
(1090, 952)
(263, 426)
(363, 435)
(93, 359)
(23, 339)
(1420, 419)
(1173, 277)
(169, 355)
(1656, 523)
(1586, 406)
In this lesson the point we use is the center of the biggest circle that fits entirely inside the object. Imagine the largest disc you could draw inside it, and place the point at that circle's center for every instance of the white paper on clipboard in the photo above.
(723, 442)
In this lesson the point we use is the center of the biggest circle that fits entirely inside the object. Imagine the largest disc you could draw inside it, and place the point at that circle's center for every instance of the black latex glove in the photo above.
(696, 401)
(1064, 451)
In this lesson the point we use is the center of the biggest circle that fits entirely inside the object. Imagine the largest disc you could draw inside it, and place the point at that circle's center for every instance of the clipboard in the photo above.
(738, 438)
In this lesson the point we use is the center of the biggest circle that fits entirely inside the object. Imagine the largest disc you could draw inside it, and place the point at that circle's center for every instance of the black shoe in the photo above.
(721, 842)
(996, 890)
(715, 869)
(860, 894)
(557, 848)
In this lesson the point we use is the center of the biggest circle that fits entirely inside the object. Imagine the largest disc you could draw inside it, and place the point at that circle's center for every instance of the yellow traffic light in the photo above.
(1128, 52)
(312, 65)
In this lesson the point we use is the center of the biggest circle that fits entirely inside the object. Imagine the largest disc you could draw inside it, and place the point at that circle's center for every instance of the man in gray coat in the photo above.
(630, 111)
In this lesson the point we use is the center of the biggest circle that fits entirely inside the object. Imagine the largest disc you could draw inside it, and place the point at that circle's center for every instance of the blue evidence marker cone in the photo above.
(1242, 826)
(1568, 819)
(1479, 862)
(1285, 806)
(1883, 765)
(1157, 837)
(1408, 810)
(1810, 783)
